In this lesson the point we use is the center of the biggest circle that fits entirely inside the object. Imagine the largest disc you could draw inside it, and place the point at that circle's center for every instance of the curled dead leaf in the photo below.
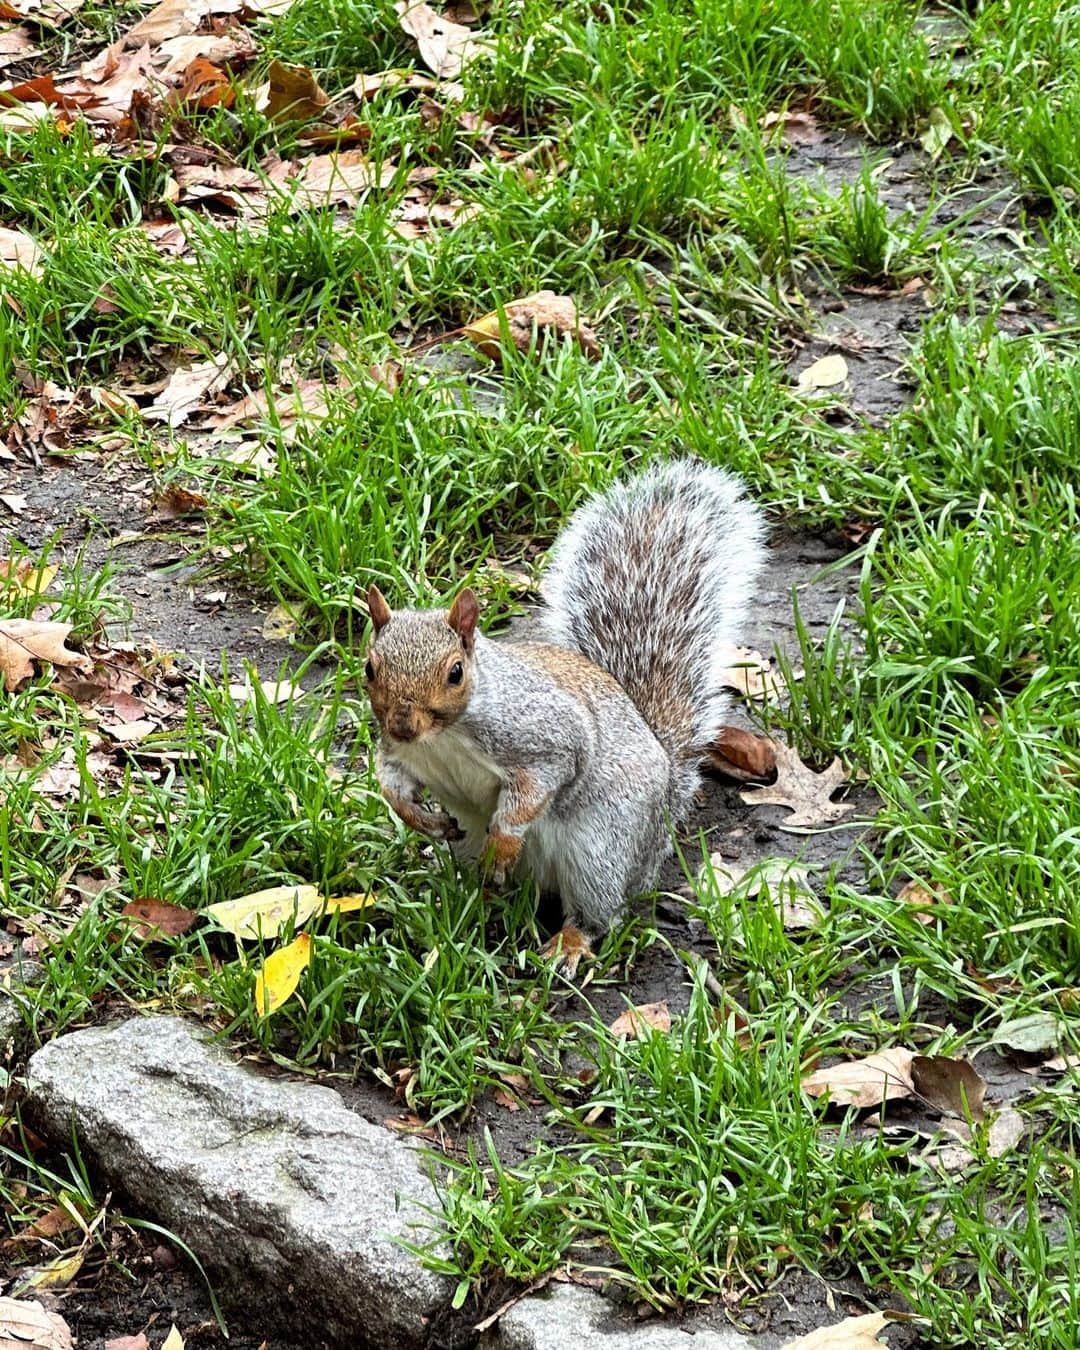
(526, 319)
(951, 1085)
(742, 755)
(293, 94)
(25, 641)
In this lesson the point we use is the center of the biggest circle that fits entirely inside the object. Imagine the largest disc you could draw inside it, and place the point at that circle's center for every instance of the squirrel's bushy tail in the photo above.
(651, 580)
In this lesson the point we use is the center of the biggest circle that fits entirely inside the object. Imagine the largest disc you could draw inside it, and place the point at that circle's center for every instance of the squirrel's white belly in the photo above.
(457, 772)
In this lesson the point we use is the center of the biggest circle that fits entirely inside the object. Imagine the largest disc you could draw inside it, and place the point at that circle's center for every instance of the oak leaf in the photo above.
(26, 1325)
(806, 793)
(24, 641)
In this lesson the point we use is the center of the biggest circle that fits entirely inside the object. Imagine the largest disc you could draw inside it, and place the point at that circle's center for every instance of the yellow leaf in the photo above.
(23, 578)
(345, 904)
(265, 913)
(56, 1274)
(853, 1333)
(280, 975)
(822, 374)
(173, 1341)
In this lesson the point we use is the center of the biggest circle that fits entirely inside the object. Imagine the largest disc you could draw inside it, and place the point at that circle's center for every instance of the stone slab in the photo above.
(286, 1195)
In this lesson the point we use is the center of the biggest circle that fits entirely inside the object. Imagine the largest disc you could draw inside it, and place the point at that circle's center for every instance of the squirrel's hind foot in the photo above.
(566, 950)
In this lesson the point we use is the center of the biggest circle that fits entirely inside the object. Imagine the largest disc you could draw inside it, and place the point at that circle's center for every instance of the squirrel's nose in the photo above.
(403, 723)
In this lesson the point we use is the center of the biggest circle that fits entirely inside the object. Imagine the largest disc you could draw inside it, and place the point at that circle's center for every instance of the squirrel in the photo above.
(570, 759)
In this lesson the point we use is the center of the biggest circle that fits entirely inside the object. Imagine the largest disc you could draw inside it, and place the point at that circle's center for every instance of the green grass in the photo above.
(614, 154)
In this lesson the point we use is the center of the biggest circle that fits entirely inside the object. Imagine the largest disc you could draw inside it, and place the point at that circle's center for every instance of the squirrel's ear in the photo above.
(378, 608)
(463, 615)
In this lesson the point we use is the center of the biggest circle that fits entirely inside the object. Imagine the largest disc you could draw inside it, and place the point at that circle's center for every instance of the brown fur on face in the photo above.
(410, 660)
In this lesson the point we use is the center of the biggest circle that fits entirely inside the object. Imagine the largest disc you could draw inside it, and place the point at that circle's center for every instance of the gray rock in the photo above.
(570, 1316)
(290, 1198)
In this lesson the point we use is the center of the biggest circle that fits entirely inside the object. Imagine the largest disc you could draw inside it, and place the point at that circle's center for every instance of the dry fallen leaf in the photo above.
(293, 94)
(24, 577)
(24, 641)
(54, 1274)
(155, 919)
(53, 1222)
(1032, 1033)
(177, 501)
(786, 881)
(274, 691)
(808, 794)
(445, 47)
(138, 1342)
(524, 321)
(173, 1341)
(19, 250)
(277, 981)
(1005, 1132)
(853, 1333)
(26, 1325)
(824, 373)
(742, 755)
(188, 386)
(639, 1021)
(753, 676)
(924, 900)
(281, 622)
(800, 128)
(864, 1082)
(951, 1085)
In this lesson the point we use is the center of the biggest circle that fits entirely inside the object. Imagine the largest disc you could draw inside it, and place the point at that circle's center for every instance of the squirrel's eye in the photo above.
(456, 675)
(369, 672)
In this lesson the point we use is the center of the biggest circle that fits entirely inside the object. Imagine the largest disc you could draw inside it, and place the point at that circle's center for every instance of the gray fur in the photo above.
(648, 581)
(651, 580)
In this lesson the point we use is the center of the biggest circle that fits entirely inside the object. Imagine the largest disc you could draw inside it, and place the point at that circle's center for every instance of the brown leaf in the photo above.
(203, 85)
(178, 501)
(753, 676)
(923, 900)
(138, 1342)
(1005, 1132)
(806, 793)
(506, 1100)
(294, 94)
(639, 1021)
(367, 86)
(445, 47)
(864, 1082)
(948, 1084)
(26, 1325)
(742, 755)
(387, 373)
(155, 919)
(524, 321)
(800, 128)
(24, 641)
(16, 44)
(48, 1225)
(187, 388)
(853, 1333)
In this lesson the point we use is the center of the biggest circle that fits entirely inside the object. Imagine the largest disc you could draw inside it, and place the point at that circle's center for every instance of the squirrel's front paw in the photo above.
(442, 825)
